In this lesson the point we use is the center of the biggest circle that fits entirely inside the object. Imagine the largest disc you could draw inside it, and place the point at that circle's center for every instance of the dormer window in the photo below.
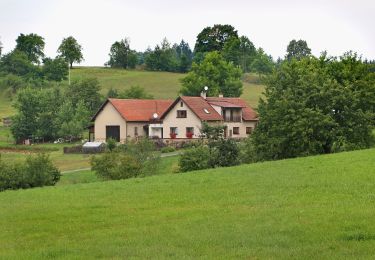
(206, 111)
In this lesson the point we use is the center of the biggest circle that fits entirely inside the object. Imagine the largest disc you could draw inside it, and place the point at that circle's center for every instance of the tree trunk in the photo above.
(71, 65)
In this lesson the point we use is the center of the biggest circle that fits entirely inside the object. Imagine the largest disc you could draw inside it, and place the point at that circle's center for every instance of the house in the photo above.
(182, 118)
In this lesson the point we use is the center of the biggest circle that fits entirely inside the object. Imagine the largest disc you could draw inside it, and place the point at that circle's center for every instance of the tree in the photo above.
(240, 51)
(220, 76)
(184, 56)
(162, 58)
(262, 63)
(17, 63)
(31, 44)
(86, 90)
(214, 38)
(1, 48)
(315, 106)
(70, 50)
(121, 56)
(55, 69)
(297, 49)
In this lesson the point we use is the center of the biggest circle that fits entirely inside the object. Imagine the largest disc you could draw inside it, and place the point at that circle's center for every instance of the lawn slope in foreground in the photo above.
(313, 207)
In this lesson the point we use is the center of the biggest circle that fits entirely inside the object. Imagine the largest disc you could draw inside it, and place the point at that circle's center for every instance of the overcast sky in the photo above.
(333, 25)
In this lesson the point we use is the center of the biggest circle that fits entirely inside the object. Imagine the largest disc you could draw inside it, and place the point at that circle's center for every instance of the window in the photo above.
(181, 104)
(189, 132)
(206, 111)
(181, 113)
(136, 131)
(236, 130)
(249, 130)
(174, 130)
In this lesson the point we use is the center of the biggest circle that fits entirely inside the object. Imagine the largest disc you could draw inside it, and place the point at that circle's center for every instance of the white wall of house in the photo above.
(109, 116)
(171, 120)
(131, 129)
(241, 127)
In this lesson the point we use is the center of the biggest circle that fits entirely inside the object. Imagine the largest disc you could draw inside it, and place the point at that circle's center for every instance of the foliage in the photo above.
(220, 76)
(86, 90)
(32, 45)
(167, 149)
(315, 106)
(134, 159)
(115, 166)
(121, 56)
(18, 63)
(111, 144)
(55, 69)
(224, 153)
(36, 171)
(1, 48)
(240, 51)
(212, 132)
(214, 38)
(195, 159)
(164, 57)
(297, 49)
(262, 63)
(70, 50)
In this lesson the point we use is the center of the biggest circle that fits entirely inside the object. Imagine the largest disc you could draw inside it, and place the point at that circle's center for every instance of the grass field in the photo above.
(159, 84)
(313, 207)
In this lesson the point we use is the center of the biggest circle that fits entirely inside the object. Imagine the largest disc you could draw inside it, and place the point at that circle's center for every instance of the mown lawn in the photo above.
(314, 207)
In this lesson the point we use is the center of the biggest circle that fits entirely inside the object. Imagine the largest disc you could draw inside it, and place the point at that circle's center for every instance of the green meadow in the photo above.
(161, 85)
(313, 207)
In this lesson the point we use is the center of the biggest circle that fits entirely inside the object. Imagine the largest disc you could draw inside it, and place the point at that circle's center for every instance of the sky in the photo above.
(336, 26)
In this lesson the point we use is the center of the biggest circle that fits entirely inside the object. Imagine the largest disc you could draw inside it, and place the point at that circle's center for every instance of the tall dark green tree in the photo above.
(262, 63)
(220, 76)
(241, 51)
(31, 44)
(297, 49)
(184, 56)
(214, 38)
(315, 106)
(70, 50)
(121, 56)
(1, 48)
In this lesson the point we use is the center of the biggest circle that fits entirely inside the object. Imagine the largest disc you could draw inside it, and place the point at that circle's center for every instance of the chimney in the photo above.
(204, 92)
(221, 96)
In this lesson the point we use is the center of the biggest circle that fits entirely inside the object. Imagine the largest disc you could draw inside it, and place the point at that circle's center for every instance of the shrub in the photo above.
(115, 166)
(225, 153)
(111, 144)
(195, 159)
(167, 149)
(133, 159)
(36, 171)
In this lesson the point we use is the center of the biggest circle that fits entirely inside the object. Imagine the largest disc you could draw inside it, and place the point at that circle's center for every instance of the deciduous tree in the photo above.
(31, 44)
(70, 50)
(297, 49)
(220, 76)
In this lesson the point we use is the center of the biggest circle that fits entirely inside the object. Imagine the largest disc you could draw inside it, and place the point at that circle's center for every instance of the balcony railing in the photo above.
(234, 118)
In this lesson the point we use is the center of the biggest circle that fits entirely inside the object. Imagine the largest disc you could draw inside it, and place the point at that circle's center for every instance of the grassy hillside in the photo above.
(314, 207)
(159, 84)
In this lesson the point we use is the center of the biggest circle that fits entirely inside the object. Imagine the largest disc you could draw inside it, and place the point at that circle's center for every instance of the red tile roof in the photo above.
(202, 109)
(248, 114)
(140, 110)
